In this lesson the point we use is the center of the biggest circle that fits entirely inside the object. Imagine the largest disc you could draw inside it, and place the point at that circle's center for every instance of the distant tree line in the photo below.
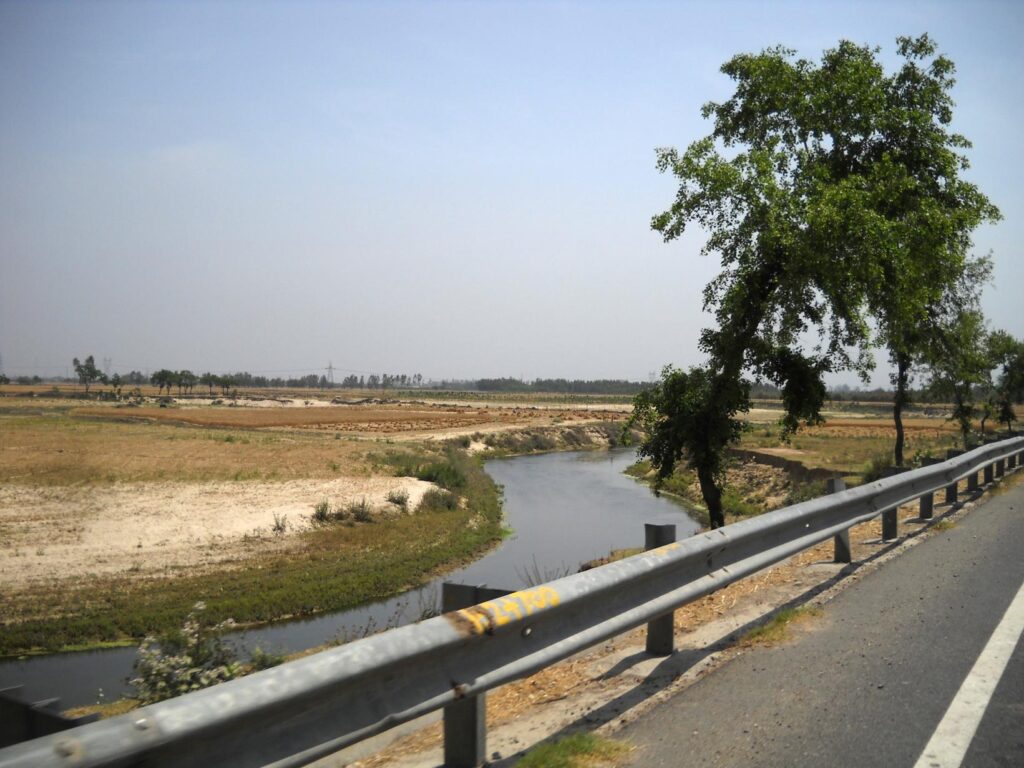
(563, 386)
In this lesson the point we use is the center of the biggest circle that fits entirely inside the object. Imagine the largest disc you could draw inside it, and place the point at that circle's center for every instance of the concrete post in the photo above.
(841, 541)
(890, 522)
(927, 508)
(951, 489)
(465, 721)
(661, 631)
(972, 481)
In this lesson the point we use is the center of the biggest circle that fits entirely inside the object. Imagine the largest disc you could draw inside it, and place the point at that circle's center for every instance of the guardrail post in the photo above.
(661, 631)
(1000, 467)
(927, 508)
(465, 721)
(841, 541)
(989, 473)
(890, 521)
(972, 481)
(1011, 461)
(951, 489)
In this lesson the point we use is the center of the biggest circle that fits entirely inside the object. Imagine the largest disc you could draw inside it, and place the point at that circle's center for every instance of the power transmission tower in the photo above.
(330, 372)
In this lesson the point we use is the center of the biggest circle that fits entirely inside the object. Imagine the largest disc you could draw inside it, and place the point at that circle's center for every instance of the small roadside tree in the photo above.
(1006, 355)
(957, 364)
(87, 371)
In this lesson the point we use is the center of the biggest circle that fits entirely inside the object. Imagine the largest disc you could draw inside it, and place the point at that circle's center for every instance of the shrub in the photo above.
(436, 500)
(734, 504)
(399, 497)
(360, 510)
(805, 492)
(261, 659)
(322, 512)
(184, 660)
(541, 442)
(447, 471)
(875, 467)
(280, 523)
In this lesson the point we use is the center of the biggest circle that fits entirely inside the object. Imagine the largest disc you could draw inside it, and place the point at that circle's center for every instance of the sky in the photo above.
(456, 189)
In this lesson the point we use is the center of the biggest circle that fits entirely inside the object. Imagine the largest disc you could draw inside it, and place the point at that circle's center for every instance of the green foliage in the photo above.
(734, 504)
(436, 500)
(1006, 355)
(260, 659)
(824, 211)
(805, 492)
(184, 660)
(447, 471)
(876, 467)
(958, 364)
(691, 416)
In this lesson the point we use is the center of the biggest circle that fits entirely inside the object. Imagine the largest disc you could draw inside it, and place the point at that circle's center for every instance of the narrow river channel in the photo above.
(563, 508)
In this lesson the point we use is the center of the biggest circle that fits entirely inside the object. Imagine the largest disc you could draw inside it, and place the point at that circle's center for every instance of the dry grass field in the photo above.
(845, 445)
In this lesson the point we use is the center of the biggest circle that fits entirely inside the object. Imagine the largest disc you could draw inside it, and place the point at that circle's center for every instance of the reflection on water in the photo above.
(563, 508)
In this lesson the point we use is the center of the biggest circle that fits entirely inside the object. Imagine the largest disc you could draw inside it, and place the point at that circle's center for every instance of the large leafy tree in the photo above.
(798, 189)
(930, 211)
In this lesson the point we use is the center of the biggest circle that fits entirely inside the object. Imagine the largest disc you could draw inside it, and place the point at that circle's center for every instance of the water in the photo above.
(564, 509)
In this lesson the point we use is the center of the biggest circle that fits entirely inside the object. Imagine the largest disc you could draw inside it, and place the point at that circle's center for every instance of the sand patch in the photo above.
(153, 529)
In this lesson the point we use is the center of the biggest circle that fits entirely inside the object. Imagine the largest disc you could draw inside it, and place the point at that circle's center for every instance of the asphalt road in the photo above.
(868, 682)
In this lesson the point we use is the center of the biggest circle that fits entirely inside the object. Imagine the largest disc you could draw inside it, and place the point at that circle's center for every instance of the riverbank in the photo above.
(764, 473)
(328, 567)
(116, 516)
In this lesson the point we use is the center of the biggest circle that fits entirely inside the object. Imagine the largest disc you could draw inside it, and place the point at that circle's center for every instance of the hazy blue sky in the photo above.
(452, 189)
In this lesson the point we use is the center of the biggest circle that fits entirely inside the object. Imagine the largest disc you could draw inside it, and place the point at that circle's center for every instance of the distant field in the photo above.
(347, 418)
(846, 445)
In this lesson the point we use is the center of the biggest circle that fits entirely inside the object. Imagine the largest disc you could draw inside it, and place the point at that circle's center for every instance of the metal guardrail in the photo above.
(302, 710)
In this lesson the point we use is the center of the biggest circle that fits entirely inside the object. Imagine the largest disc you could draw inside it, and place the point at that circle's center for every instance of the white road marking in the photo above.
(953, 736)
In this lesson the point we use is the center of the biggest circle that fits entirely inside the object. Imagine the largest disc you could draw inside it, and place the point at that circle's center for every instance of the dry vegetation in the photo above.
(845, 445)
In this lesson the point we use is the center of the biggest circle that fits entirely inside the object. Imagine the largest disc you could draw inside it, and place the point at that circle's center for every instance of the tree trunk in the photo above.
(712, 496)
(900, 400)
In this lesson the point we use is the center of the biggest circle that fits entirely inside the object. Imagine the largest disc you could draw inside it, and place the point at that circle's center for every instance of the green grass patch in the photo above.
(448, 469)
(778, 627)
(579, 750)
